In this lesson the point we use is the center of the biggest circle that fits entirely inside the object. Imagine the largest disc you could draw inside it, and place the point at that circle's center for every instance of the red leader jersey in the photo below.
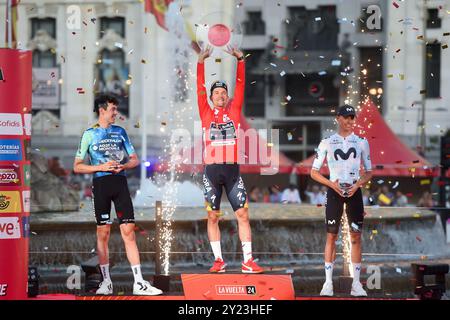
(220, 125)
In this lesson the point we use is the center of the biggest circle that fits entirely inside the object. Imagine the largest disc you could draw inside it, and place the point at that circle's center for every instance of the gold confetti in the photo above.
(402, 76)
(137, 125)
(218, 60)
(390, 75)
(444, 46)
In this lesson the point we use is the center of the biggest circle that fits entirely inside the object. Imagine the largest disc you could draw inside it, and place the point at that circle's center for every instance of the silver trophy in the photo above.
(345, 187)
(115, 155)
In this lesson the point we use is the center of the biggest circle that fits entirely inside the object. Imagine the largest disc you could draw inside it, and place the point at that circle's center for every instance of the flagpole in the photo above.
(9, 22)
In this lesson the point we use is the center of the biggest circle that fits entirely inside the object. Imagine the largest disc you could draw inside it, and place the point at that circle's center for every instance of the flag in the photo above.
(14, 18)
(158, 8)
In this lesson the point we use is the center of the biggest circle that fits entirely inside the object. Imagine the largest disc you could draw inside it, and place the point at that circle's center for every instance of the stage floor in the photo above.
(180, 297)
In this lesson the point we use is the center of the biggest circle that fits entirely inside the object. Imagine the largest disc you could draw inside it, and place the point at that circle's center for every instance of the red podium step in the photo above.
(237, 287)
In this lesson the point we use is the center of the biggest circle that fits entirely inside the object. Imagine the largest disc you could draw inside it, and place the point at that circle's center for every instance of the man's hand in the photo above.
(235, 52)
(335, 186)
(204, 54)
(118, 168)
(109, 166)
(353, 189)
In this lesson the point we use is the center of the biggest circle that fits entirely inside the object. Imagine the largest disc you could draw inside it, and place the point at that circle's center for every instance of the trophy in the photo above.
(115, 155)
(218, 30)
(345, 186)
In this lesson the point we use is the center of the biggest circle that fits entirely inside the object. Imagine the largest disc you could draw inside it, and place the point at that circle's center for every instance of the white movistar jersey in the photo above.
(344, 157)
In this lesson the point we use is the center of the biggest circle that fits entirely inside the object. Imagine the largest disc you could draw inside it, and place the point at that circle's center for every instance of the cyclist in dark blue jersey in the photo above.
(111, 153)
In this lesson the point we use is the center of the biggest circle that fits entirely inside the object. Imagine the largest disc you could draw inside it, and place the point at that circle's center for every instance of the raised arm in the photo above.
(238, 99)
(202, 95)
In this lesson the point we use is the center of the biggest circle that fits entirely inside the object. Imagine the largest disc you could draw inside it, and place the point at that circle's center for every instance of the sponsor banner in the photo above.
(9, 228)
(237, 287)
(27, 123)
(11, 124)
(3, 289)
(26, 175)
(10, 175)
(10, 150)
(10, 202)
(26, 194)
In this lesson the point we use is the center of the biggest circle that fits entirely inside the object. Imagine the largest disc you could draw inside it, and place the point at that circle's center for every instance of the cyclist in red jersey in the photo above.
(220, 125)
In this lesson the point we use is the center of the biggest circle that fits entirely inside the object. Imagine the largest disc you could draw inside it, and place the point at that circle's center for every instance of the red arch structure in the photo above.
(390, 156)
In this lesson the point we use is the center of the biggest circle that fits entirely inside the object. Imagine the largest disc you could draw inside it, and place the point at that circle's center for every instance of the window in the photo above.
(255, 86)
(254, 25)
(111, 76)
(117, 24)
(312, 95)
(371, 74)
(433, 21)
(44, 59)
(313, 29)
(46, 24)
(433, 70)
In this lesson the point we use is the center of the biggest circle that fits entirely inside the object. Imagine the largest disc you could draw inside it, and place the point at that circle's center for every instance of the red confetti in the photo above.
(395, 4)
(409, 194)
(419, 238)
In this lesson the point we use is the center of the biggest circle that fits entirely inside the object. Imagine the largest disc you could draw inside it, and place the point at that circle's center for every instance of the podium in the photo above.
(237, 287)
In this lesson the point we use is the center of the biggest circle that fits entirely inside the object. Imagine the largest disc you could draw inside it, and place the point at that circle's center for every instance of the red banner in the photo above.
(15, 134)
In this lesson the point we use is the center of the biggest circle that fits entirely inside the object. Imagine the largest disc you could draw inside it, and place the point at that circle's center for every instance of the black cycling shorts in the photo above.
(112, 188)
(217, 176)
(335, 206)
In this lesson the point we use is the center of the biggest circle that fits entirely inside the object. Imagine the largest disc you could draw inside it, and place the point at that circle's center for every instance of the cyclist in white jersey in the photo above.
(344, 152)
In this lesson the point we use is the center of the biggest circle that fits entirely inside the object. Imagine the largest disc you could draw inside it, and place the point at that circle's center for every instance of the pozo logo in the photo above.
(4, 203)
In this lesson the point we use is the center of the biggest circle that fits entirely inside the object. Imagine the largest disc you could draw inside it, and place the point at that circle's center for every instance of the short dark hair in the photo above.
(101, 101)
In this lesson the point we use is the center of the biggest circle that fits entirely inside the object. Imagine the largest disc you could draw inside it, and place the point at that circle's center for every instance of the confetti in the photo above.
(423, 91)
(398, 270)
(322, 73)
(418, 238)
(444, 46)
(137, 125)
(446, 34)
(143, 61)
(290, 271)
(374, 231)
(416, 215)
(118, 45)
(253, 82)
(395, 4)
(318, 19)
(425, 182)
(289, 136)
(282, 73)
(288, 98)
(390, 75)
(395, 185)
(402, 76)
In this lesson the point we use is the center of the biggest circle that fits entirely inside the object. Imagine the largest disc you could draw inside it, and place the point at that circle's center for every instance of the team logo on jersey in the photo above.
(344, 155)
(225, 118)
